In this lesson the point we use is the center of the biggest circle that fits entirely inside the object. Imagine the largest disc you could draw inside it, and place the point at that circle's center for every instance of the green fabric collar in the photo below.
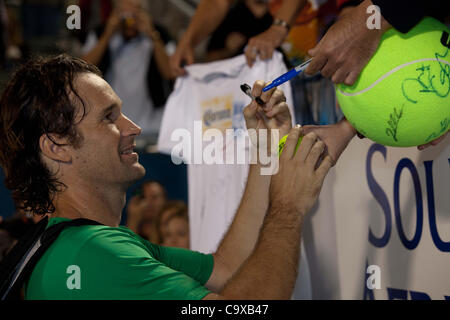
(56, 220)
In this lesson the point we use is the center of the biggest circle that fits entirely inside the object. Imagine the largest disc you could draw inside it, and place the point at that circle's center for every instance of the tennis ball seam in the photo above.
(352, 94)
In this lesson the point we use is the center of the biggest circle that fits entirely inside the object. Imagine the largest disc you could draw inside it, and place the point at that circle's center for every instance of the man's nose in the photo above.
(129, 128)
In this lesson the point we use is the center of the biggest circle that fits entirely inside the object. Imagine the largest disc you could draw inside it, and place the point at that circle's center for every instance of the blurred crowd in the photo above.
(154, 217)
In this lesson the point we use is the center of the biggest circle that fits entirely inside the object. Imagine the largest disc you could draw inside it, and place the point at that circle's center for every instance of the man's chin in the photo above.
(136, 173)
(140, 170)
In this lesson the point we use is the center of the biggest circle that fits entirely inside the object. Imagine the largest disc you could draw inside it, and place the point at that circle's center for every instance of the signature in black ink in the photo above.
(444, 126)
(394, 118)
(428, 82)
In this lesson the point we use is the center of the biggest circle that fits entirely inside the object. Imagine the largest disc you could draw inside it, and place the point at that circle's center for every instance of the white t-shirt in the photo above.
(211, 93)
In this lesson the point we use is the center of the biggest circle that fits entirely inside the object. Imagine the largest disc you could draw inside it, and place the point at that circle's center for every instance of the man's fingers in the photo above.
(275, 98)
(316, 64)
(309, 128)
(257, 88)
(329, 69)
(257, 91)
(315, 153)
(291, 143)
(279, 109)
(340, 75)
(305, 146)
(250, 110)
(266, 96)
(312, 52)
(250, 117)
(324, 167)
(352, 77)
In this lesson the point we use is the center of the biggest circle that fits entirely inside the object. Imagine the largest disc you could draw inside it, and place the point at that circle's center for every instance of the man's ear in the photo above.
(55, 148)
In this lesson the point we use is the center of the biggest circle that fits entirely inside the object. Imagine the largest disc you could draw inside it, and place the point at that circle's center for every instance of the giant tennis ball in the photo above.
(402, 96)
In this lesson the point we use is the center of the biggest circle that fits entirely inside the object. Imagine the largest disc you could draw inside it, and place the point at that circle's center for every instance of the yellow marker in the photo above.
(283, 142)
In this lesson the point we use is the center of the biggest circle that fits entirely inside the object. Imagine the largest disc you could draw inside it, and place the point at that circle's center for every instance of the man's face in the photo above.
(106, 155)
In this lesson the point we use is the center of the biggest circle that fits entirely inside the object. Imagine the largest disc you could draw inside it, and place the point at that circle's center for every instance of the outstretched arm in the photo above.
(264, 44)
(242, 235)
(271, 268)
(337, 137)
(146, 26)
(207, 17)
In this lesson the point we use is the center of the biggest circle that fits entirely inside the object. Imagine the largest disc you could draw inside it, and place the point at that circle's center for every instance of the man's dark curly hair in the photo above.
(39, 99)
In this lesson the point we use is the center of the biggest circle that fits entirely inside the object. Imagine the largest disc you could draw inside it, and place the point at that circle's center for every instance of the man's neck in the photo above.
(103, 205)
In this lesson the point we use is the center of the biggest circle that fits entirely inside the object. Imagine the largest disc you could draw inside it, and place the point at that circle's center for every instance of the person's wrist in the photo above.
(348, 128)
(284, 213)
(277, 22)
(281, 32)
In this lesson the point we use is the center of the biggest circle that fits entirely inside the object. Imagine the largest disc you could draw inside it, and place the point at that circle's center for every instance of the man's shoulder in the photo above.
(90, 241)
(97, 237)
(90, 250)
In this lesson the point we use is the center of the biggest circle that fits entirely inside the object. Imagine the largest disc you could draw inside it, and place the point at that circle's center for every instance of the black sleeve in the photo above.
(403, 15)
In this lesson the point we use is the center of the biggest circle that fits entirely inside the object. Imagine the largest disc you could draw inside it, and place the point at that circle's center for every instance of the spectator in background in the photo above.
(156, 196)
(245, 20)
(144, 208)
(172, 225)
(124, 50)
(176, 231)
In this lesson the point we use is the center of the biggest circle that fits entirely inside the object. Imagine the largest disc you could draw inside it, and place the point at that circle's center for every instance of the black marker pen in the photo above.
(248, 91)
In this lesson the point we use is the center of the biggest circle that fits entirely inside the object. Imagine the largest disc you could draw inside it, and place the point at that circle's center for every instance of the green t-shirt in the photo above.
(101, 262)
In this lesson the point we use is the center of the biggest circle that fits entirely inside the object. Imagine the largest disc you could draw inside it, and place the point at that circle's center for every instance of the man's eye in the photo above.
(110, 117)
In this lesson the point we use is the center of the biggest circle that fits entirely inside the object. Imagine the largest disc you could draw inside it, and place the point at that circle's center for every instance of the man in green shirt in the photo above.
(115, 263)
(67, 151)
